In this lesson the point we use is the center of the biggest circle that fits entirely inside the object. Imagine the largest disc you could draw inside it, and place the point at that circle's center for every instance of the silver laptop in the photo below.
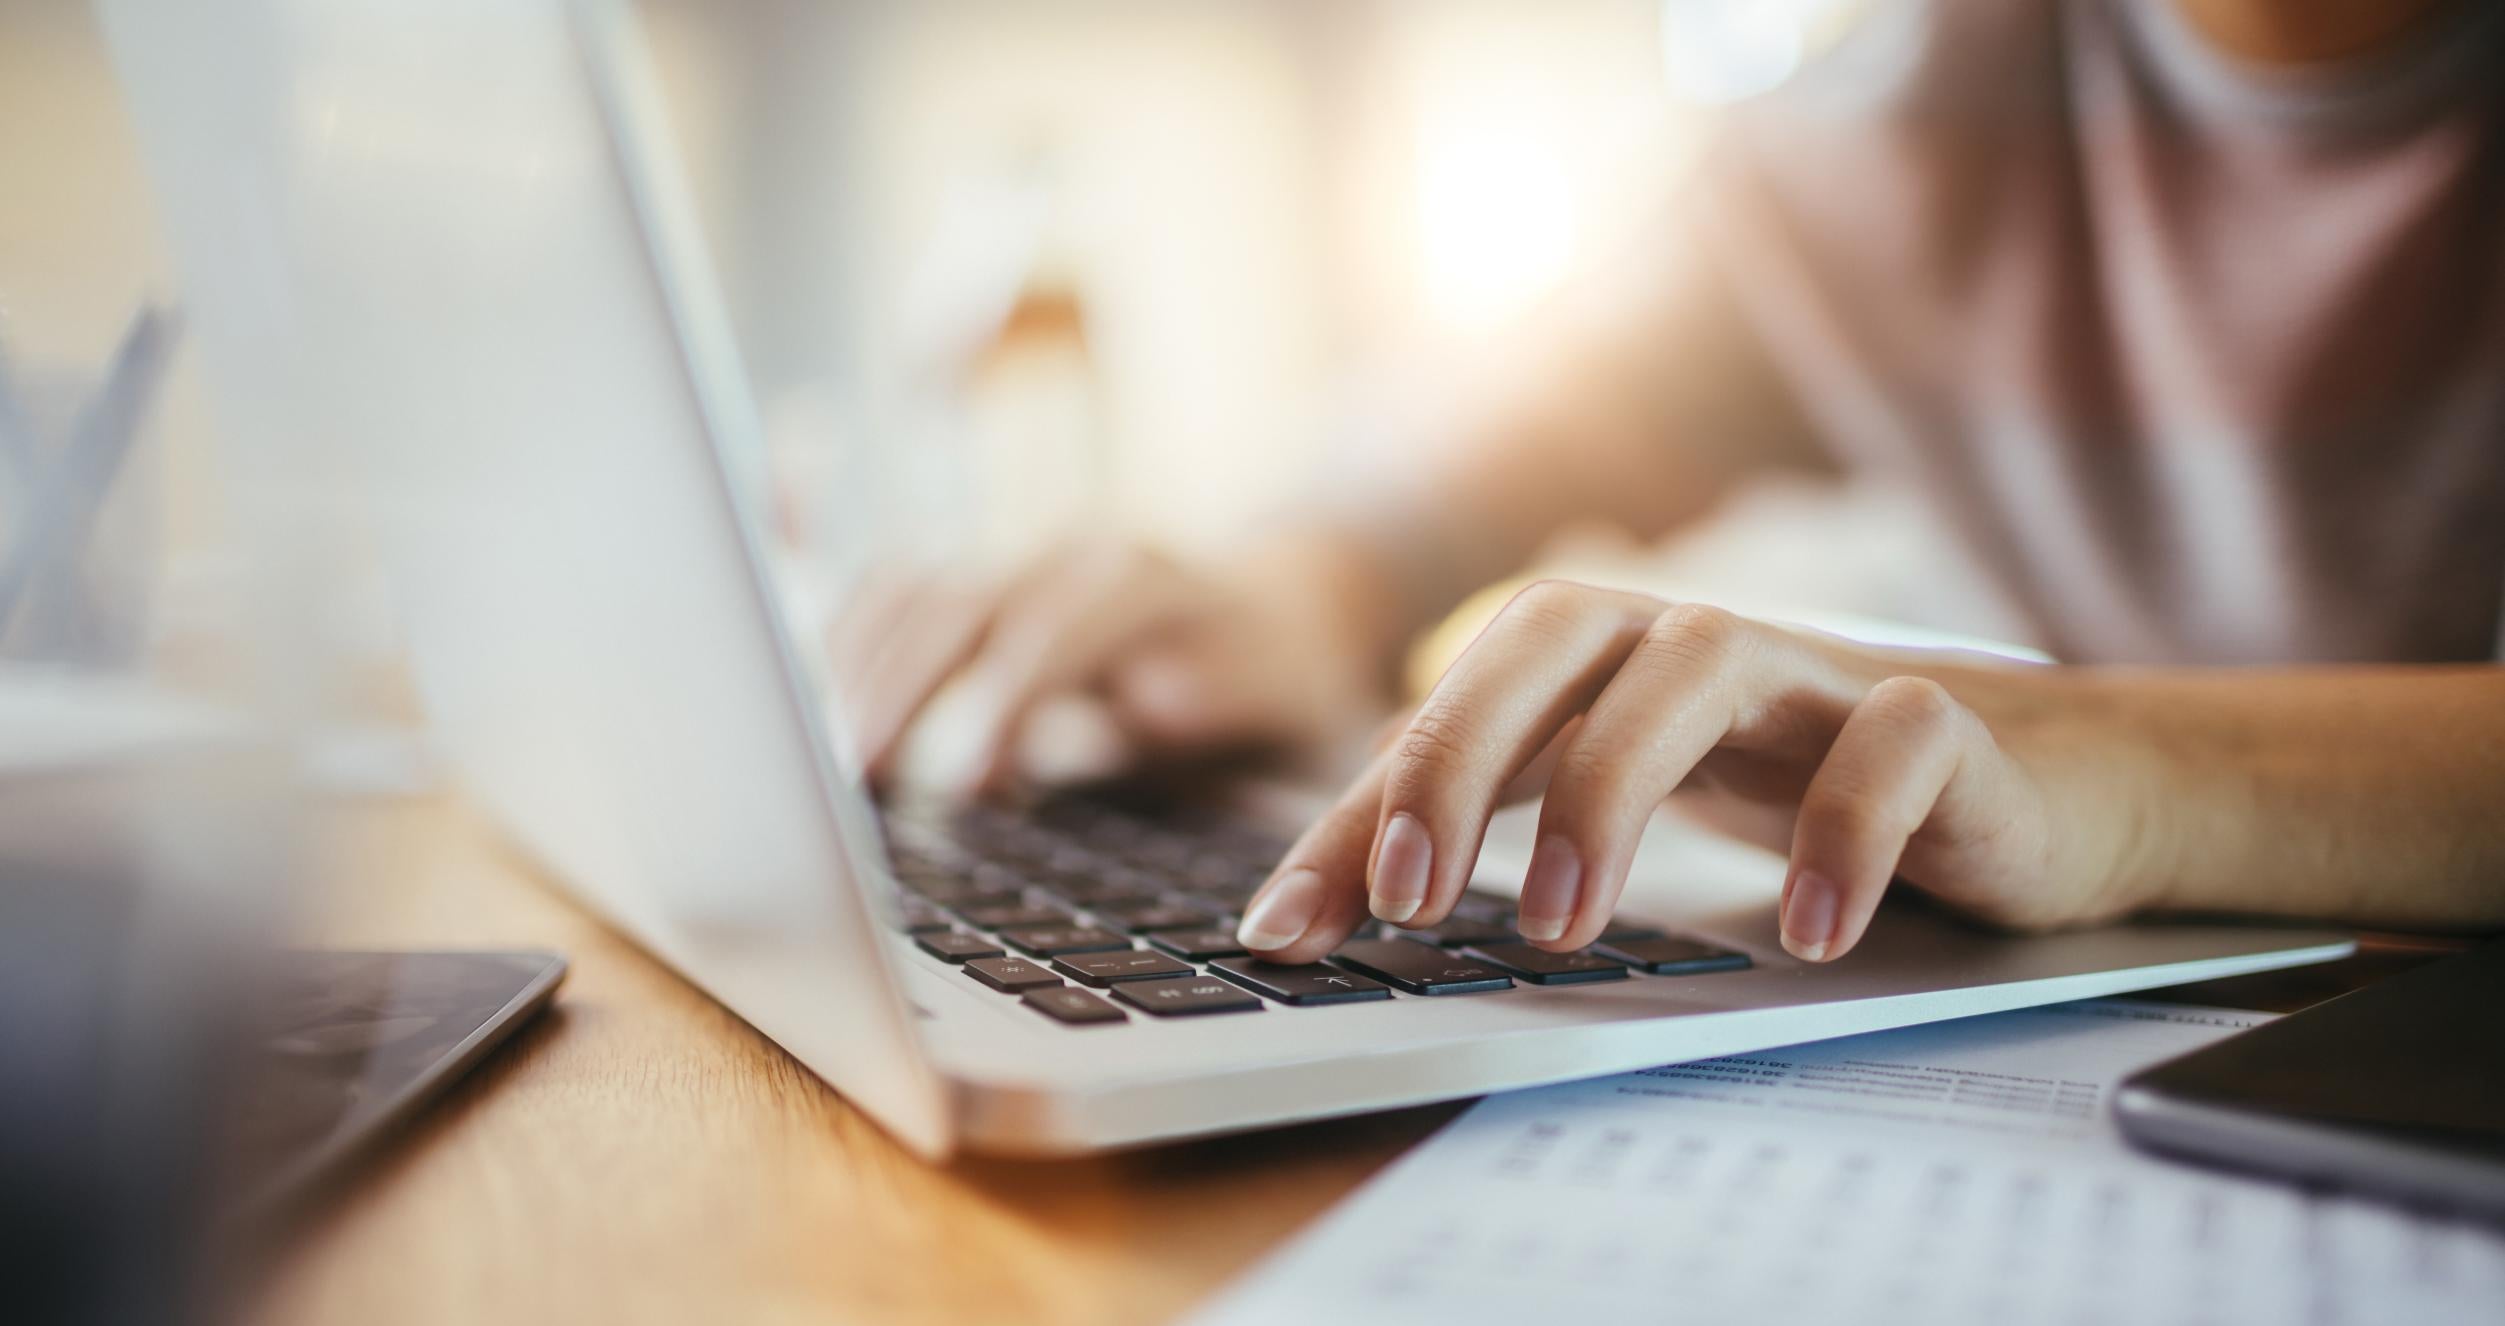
(517, 333)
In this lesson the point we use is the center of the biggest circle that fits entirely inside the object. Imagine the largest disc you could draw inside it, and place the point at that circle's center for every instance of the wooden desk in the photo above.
(641, 1155)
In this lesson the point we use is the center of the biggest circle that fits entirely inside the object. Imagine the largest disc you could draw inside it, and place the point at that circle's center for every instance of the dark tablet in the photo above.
(2396, 1090)
(350, 1044)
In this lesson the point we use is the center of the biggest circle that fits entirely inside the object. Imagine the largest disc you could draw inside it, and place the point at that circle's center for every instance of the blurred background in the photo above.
(997, 268)
(1180, 244)
(1124, 259)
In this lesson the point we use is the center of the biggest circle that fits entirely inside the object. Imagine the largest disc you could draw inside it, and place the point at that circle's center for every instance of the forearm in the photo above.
(2371, 795)
(1394, 556)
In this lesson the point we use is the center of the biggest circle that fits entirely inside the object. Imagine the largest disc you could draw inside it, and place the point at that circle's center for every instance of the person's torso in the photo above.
(2201, 364)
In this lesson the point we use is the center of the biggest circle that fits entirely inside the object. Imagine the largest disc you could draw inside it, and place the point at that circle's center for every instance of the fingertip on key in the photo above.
(1283, 912)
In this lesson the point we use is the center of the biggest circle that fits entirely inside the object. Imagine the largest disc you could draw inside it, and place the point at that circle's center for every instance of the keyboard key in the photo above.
(1054, 940)
(1227, 877)
(1198, 945)
(1213, 903)
(1312, 983)
(1665, 955)
(1075, 1007)
(1627, 930)
(1139, 918)
(1541, 967)
(1186, 996)
(1103, 969)
(1485, 907)
(1165, 855)
(1099, 888)
(957, 946)
(1012, 916)
(1419, 968)
(1457, 932)
(1010, 975)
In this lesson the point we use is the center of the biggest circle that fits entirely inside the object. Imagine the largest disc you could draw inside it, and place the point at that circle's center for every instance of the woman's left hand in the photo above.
(1966, 780)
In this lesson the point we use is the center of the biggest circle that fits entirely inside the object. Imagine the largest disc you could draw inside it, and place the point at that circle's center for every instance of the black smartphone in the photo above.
(345, 1045)
(2395, 1091)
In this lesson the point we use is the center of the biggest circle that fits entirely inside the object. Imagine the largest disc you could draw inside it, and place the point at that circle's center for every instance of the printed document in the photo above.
(1966, 1171)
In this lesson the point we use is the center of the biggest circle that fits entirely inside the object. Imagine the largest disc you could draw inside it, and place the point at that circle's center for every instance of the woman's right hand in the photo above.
(1110, 646)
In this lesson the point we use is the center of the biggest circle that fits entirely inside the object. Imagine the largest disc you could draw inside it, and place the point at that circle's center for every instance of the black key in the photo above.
(1010, 975)
(1210, 901)
(1541, 967)
(1185, 996)
(1164, 855)
(1419, 968)
(1086, 887)
(1485, 908)
(957, 946)
(1103, 888)
(1226, 875)
(1312, 983)
(1076, 1007)
(1054, 940)
(1156, 915)
(1457, 932)
(1618, 931)
(1012, 916)
(1198, 945)
(1103, 969)
(1664, 955)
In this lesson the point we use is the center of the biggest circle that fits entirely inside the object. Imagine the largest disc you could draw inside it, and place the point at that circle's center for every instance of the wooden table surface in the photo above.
(641, 1155)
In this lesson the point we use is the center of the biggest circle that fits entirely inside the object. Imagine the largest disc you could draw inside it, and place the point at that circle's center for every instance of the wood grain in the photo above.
(641, 1155)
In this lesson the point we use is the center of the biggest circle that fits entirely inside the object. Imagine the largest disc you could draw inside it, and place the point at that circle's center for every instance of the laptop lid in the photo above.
(457, 249)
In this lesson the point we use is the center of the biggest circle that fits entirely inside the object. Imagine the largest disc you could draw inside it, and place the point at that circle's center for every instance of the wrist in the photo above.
(2117, 806)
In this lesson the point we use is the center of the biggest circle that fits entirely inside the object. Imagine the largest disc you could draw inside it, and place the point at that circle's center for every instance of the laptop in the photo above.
(519, 335)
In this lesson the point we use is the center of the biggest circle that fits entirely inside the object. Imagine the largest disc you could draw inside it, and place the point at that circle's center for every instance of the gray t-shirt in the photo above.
(2200, 361)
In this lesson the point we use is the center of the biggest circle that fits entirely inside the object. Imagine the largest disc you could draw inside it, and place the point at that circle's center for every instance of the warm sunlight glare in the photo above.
(1497, 218)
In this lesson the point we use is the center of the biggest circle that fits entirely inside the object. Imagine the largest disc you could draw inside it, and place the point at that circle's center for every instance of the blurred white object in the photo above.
(54, 721)
(1719, 51)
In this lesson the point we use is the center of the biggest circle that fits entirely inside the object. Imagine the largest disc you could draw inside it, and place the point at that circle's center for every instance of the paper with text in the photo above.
(1961, 1172)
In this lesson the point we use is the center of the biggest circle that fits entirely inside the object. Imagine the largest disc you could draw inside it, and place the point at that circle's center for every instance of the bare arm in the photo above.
(2374, 795)
(2031, 796)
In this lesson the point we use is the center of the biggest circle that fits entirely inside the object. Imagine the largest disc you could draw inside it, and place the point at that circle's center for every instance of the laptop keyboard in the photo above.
(1064, 904)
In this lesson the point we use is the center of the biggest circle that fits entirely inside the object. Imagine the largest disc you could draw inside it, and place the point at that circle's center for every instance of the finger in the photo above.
(1055, 637)
(1313, 901)
(1538, 664)
(1675, 698)
(1890, 771)
(862, 614)
(1193, 692)
(894, 680)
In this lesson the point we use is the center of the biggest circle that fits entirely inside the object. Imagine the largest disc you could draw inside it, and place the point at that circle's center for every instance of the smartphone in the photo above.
(347, 1045)
(2394, 1091)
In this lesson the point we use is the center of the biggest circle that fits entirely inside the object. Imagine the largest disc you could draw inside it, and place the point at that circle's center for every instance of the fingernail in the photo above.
(1283, 912)
(1550, 888)
(1809, 916)
(1400, 869)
